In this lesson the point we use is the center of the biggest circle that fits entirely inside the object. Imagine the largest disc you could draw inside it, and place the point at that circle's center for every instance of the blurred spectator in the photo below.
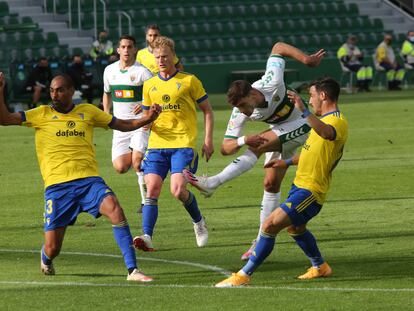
(145, 56)
(385, 57)
(39, 80)
(114, 57)
(407, 50)
(102, 47)
(82, 79)
(351, 57)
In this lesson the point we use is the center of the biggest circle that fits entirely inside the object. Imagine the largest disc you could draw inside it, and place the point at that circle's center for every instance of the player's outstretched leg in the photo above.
(207, 185)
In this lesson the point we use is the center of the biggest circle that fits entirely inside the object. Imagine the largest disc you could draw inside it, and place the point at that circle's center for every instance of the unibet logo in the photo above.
(124, 93)
(171, 107)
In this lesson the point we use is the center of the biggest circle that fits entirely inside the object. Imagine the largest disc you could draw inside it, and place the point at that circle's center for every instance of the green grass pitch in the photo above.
(365, 230)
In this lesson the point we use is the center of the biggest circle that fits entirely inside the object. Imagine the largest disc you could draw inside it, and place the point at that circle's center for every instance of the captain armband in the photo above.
(306, 113)
(289, 162)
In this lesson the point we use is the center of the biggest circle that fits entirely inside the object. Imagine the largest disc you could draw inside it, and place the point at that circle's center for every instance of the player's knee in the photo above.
(120, 167)
(295, 231)
(276, 48)
(179, 193)
(268, 225)
(111, 209)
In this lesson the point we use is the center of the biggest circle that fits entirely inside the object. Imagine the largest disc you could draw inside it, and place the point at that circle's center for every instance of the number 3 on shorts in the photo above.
(49, 207)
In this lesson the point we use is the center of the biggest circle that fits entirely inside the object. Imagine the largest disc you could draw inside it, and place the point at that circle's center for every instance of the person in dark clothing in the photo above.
(39, 80)
(82, 79)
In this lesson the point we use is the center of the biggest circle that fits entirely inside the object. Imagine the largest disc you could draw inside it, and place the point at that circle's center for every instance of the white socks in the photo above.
(269, 203)
(142, 186)
(240, 165)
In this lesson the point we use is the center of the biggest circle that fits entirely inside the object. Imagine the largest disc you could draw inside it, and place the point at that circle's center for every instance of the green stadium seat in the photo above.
(24, 41)
(87, 21)
(353, 10)
(61, 7)
(52, 40)
(77, 51)
(378, 25)
(38, 41)
(4, 9)
(308, 10)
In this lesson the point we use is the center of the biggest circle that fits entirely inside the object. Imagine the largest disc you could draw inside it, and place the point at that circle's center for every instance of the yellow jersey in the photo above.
(320, 156)
(147, 59)
(64, 141)
(176, 127)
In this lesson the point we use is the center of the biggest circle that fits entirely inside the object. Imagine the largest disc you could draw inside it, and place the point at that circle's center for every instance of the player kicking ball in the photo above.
(319, 156)
(263, 101)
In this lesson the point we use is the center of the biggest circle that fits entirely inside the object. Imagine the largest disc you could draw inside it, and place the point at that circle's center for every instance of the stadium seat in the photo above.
(38, 41)
(52, 40)
(4, 9)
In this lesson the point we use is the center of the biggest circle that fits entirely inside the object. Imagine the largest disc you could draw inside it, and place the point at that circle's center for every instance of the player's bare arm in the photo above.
(7, 118)
(133, 124)
(288, 50)
(230, 146)
(208, 147)
(324, 130)
(107, 102)
(137, 109)
(280, 163)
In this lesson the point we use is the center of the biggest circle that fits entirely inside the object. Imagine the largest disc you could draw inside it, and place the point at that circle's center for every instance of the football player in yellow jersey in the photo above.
(320, 154)
(146, 57)
(64, 146)
(172, 140)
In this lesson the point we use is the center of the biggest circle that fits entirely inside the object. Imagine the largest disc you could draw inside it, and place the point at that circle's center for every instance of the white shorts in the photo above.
(292, 134)
(125, 142)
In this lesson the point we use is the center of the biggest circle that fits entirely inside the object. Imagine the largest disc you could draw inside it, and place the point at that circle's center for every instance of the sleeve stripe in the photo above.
(200, 100)
(230, 136)
(145, 107)
(112, 122)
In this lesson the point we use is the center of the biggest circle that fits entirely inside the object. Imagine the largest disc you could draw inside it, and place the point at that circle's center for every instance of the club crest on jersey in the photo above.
(132, 77)
(178, 86)
(166, 98)
(70, 124)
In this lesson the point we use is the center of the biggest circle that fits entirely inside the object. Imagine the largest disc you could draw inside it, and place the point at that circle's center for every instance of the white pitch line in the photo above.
(288, 288)
(177, 262)
(187, 263)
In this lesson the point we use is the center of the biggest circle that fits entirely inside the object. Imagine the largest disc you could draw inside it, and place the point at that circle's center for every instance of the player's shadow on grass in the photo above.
(93, 275)
(232, 206)
(382, 237)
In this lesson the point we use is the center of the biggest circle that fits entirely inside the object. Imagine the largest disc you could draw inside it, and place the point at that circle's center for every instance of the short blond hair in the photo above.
(163, 41)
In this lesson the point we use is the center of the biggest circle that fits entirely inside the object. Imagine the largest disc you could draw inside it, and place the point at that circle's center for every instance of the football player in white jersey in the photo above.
(123, 84)
(265, 100)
